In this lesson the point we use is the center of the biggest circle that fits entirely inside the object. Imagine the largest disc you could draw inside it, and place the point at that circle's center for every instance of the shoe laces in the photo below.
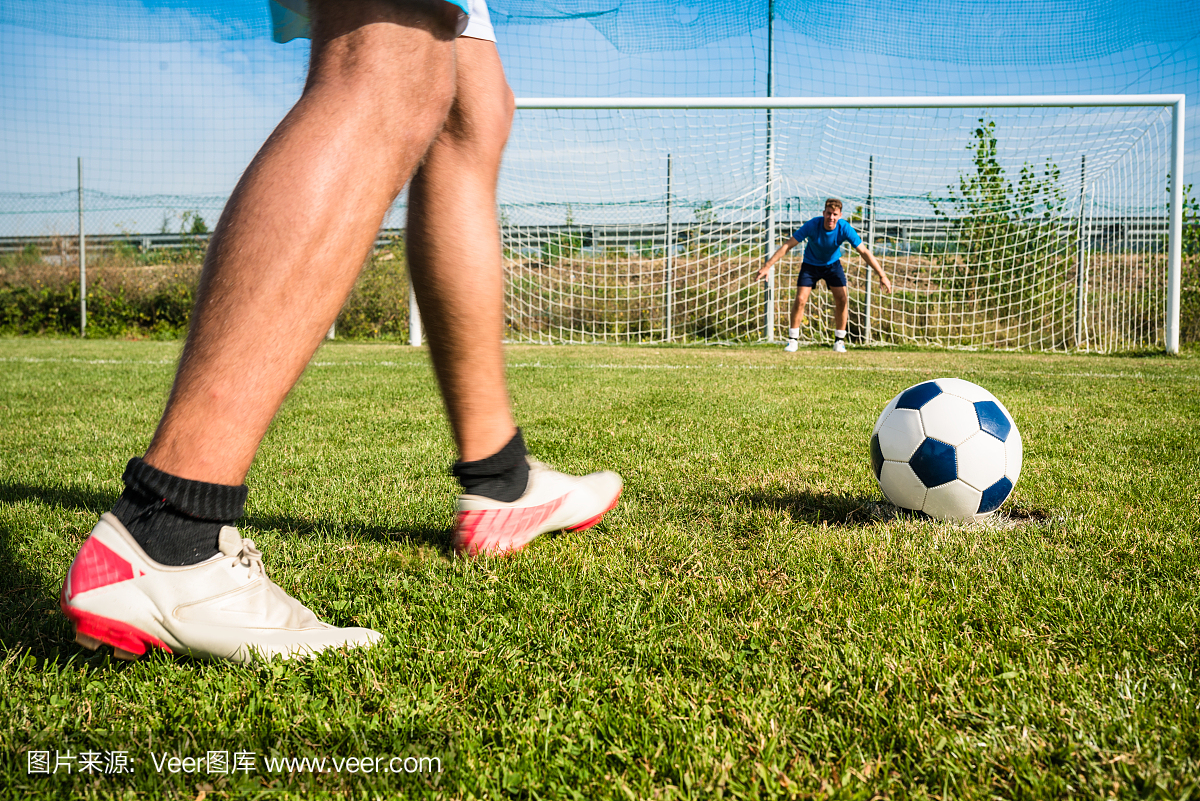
(242, 550)
(251, 557)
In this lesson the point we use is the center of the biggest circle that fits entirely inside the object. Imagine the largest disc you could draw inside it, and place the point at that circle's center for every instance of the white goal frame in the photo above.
(1174, 101)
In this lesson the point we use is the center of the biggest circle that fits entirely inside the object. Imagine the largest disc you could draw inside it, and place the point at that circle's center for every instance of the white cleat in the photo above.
(552, 501)
(792, 346)
(839, 346)
(224, 607)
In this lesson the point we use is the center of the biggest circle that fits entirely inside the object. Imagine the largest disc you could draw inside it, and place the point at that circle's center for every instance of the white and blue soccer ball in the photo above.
(947, 448)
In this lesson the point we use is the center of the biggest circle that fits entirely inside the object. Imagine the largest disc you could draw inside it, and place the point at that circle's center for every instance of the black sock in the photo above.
(502, 476)
(175, 520)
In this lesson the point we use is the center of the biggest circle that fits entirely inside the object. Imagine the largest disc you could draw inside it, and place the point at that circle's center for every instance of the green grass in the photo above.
(751, 621)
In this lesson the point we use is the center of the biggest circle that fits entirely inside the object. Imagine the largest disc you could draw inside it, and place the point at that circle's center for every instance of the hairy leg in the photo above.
(454, 253)
(798, 304)
(299, 226)
(841, 307)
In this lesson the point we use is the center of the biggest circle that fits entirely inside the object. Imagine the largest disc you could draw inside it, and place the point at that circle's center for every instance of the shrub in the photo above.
(130, 293)
(378, 305)
(1189, 295)
(151, 294)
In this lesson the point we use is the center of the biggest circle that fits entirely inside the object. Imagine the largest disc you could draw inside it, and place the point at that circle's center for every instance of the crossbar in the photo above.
(959, 101)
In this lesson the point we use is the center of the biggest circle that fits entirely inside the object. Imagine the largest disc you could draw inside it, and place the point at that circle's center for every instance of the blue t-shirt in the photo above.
(822, 248)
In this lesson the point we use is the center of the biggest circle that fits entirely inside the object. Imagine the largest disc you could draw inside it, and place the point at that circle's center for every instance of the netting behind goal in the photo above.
(1028, 228)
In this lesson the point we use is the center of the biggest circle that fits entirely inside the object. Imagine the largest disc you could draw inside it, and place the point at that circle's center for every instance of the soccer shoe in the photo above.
(224, 607)
(839, 346)
(552, 501)
(792, 346)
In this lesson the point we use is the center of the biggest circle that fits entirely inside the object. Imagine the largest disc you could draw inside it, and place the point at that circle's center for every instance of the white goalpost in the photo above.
(1014, 222)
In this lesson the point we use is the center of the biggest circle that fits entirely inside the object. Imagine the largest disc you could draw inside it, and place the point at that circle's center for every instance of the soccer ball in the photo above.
(947, 448)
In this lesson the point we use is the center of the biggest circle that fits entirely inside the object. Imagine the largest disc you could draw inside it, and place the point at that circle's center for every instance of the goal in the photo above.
(1033, 223)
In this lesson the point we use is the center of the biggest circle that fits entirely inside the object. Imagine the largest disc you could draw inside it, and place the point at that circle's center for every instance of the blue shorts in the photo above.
(832, 274)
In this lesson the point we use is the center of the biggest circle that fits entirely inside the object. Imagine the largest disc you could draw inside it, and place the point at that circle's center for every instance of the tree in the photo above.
(566, 243)
(1189, 280)
(1008, 235)
(192, 223)
(1190, 240)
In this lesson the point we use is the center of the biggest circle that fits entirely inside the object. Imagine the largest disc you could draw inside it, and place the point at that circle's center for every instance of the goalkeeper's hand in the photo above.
(887, 285)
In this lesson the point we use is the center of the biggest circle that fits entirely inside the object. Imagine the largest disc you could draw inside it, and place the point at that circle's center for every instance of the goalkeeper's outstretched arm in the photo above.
(779, 254)
(866, 253)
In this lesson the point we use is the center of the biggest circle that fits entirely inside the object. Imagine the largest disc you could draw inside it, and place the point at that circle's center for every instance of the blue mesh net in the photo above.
(166, 101)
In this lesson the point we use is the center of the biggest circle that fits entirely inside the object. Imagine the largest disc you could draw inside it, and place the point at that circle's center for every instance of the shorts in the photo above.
(479, 24)
(290, 20)
(832, 274)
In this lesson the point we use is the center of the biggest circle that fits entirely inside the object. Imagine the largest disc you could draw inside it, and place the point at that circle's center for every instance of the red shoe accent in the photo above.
(481, 522)
(96, 565)
(586, 524)
(113, 632)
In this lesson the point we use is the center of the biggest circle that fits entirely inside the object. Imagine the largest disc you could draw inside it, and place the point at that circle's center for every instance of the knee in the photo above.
(480, 123)
(413, 121)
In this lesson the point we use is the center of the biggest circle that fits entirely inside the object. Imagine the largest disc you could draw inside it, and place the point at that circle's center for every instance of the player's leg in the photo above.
(798, 305)
(841, 316)
(797, 316)
(454, 252)
(453, 243)
(290, 242)
(298, 227)
(835, 279)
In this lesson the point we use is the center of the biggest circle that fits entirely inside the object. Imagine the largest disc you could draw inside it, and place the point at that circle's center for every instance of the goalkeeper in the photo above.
(825, 235)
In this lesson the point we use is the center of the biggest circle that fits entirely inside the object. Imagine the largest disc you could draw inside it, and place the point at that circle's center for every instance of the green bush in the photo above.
(134, 294)
(39, 309)
(130, 293)
(1189, 296)
(378, 305)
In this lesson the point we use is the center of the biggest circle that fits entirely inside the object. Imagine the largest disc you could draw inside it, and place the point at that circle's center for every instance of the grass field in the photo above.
(751, 621)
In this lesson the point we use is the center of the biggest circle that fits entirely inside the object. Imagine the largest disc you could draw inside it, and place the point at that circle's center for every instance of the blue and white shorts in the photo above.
(290, 20)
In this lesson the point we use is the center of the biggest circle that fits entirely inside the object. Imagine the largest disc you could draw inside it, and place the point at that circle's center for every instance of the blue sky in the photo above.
(167, 101)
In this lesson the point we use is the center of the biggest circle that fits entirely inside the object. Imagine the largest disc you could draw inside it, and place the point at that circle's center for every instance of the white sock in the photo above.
(793, 333)
(840, 334)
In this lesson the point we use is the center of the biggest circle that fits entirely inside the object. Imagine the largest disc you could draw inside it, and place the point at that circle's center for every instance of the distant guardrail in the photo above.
(907, 234)
(70, 242)
(143, 243)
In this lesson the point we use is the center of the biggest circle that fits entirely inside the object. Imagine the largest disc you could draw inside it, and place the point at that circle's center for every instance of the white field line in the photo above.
(33, 360)
(604, 366)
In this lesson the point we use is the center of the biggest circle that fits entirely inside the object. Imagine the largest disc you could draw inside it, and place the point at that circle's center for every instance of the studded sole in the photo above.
(92, 631)
(591, 521)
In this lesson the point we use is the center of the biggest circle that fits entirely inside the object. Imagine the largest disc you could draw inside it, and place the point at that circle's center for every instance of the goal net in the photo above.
(1000, 226)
